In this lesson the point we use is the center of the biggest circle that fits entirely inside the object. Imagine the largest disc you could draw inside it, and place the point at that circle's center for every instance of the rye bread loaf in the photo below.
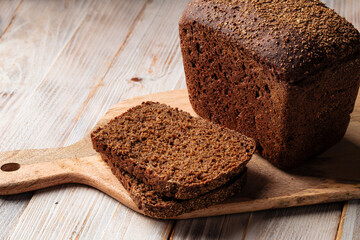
(156, 206)
(178, 155)
(284, 72)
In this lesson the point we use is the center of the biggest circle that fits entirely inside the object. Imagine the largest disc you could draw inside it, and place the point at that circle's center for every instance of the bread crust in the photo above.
(291, 89)
(157, 206)
(296, 38)
(178, 155)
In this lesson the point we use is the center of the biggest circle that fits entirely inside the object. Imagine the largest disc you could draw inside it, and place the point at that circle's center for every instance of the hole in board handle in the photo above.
(10, 167)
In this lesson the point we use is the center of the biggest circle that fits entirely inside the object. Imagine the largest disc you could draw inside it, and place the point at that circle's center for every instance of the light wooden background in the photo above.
(62, 65)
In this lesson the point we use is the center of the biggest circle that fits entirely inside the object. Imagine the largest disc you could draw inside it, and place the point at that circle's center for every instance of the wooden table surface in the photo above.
(62, 65)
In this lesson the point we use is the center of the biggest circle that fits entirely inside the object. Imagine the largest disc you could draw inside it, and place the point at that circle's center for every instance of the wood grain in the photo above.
(11, 208)
(124, 224)
(136, 15)
(7, 13)
(156, 62)
(350, 222)
(50, 208)
(268, 187)
(311, 222)
(45, 37)
(32, 38)
(28, 51)
(351, 10)
(350, 227)
(220, 227)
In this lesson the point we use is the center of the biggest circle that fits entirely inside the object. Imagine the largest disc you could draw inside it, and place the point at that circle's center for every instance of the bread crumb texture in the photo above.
(155, 205)
(177, 154)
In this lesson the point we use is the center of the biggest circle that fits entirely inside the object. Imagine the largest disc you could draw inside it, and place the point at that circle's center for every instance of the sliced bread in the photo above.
(178, 155)
(157, 206)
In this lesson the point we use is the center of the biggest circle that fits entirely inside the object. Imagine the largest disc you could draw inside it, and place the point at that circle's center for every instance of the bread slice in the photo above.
(156, 206)
(178, 155)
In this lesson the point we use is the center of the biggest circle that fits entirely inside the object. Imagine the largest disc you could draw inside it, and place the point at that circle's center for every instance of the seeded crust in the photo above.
(157, 206)
(285, 73)
(295, 37)
(178, 155)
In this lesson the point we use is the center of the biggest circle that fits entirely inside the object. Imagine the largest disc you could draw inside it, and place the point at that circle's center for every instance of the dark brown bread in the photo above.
(178, 155)
(284, 72)
(154, 205)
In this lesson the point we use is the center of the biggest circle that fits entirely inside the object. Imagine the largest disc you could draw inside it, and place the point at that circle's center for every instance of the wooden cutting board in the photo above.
(333, 176)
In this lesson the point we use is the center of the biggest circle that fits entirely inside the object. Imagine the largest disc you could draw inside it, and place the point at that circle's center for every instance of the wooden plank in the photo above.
(55, 207)
(75, 135)
(27, 51)
(72, 80)
(316, 219)
(198, 228)
(350, 226)
(240, 221)
(28, 43)
(267, 187)
(152, 54)
(350, 9)
(7, 13)
(75, 75)
(63, 23)
(139, 30)
(124, 224)
(311, 222)
(11, 208)
(221, 227)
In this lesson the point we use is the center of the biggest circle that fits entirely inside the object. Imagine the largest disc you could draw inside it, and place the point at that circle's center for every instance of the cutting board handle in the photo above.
(28, 170)
(17, 178)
